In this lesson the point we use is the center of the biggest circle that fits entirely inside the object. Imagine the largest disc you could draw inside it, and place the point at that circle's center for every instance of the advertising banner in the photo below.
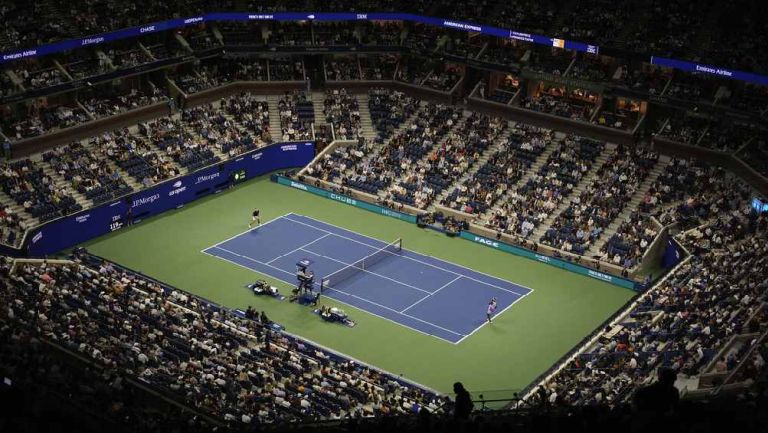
(75, 229)
(346, 200)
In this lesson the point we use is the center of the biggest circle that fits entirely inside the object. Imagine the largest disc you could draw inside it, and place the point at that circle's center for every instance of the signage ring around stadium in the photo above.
(349, 16)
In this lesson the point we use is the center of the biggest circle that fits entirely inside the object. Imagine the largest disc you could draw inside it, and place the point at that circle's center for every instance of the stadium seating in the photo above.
(582, 223)
(532, 203)
(87, 173)
(33, 189)
(223, 363)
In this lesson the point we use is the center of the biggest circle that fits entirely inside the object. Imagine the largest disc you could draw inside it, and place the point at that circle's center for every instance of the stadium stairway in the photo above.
(318, 103)
(498, 143)
(535, 167)
(366, 123)
(274, 117)
(632, 206)
(577, 190)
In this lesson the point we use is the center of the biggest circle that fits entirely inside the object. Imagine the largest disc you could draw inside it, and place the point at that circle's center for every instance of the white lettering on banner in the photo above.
(462, 26)
(288, 147)
(520, 36)
(116, 218)
(541, 258)
(145, 200)
(177, 191)
(485, 241)
(25, 53)
(37, 237)
(193, 20)
(716, 71)
(177, 184)
(256, 156)
(600, 275)
(115, 203)
(91, 41)
(147, 29)
(343, 199)
(206, 178)
(299, 186)
(82, 218)
(391, 213)
(115, 226)
(260, 17)
(362, 16)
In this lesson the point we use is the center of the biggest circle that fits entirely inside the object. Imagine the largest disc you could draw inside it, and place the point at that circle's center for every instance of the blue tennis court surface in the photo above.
(420, 292)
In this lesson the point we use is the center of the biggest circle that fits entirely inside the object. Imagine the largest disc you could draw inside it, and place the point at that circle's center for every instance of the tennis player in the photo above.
(255, 219)
(491, 309)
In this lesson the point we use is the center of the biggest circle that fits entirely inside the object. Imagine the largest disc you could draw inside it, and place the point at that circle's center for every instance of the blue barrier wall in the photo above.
(77, 228)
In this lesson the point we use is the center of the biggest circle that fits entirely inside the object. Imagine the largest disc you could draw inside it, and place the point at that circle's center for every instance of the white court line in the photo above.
(369, 272)
(340, 301)
(439, 289)
(497, 315)
(299, 248)
(411, 258)
(249, 230)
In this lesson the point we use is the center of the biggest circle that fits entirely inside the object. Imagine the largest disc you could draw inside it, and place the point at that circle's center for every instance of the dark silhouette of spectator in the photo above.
(463, 406)
(659, 398)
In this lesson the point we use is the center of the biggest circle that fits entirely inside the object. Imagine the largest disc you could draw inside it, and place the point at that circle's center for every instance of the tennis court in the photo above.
(417, 291)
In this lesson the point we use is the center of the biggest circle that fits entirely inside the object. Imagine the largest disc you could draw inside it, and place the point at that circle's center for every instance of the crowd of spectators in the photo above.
(197, 81)
(297, 114)
(342, 69)
(501, 171)
(11, 226)
(683, 127)
(238, 369)
(341, 110)
(389, 109)
(41, 118)
(559, 105)
(378, 67)
(444, 79)
(135, 155)
(524, 209)
(334, 165)
(35, 191)
(234, 125)
(108, 102)
(630, 242)
(601, 201)
(682, 324)
(286, 69)
(449, 159)
(377, 171)
(87, 173)
(189, 150)
(33, 77)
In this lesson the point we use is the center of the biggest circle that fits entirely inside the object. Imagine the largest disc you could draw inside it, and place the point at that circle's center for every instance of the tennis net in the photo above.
(335, 278)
